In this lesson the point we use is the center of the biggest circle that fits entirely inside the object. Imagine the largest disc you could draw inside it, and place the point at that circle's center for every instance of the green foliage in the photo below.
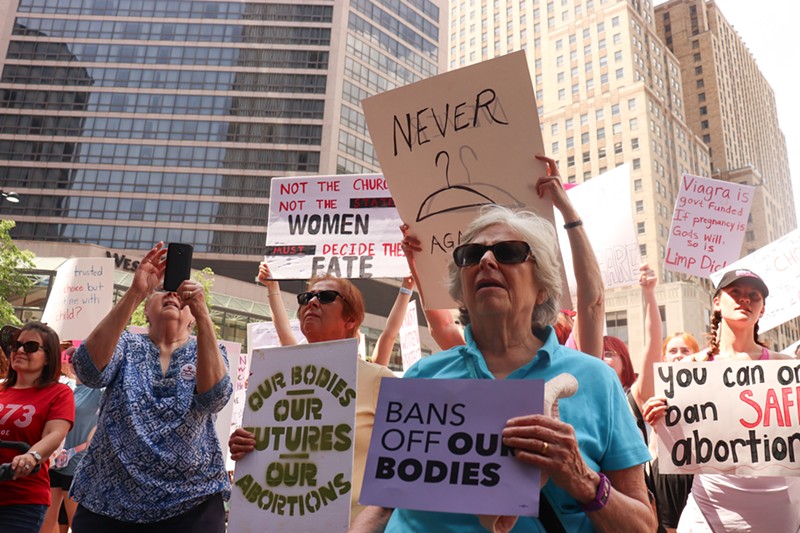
(204, 277)
(13, 280)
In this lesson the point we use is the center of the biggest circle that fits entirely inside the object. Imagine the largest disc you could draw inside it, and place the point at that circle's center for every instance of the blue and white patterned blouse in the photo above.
(155, 454)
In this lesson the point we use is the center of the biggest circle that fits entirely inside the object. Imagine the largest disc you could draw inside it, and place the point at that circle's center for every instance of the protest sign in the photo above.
(264, 334)
(708, 225)
(730, 417)
(604, 205)
(82, 294)
(777, 264)
(453, 143)
(346, 226)
(301, 408)
(437, 446)
(410, 347)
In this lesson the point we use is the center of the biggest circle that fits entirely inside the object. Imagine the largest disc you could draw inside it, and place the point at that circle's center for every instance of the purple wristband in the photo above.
(601, 498)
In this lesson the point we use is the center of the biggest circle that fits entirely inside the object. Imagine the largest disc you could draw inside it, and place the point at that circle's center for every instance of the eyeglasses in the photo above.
(506, 252)
(324, 297)
(27, 347)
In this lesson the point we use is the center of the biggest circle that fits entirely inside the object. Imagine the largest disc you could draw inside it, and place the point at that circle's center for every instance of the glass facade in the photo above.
(125, 122)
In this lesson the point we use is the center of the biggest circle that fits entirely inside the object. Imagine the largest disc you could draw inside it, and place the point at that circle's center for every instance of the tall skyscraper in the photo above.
(731, 105)
(609, 92)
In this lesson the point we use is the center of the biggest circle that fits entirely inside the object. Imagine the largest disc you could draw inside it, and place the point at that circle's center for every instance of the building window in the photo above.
(703, 110)
(587, 157)
(617, 324)
(643, 250)
(637, 164)
(640, 228)
(637, 185)
(571, 161)
(635, 143)
(640, 206)
(617, 148)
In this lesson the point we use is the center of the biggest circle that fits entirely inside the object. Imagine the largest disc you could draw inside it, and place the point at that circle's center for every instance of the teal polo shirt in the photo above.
(604, 426)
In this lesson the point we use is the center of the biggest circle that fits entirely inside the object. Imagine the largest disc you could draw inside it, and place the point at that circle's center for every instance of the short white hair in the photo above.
(541, 237)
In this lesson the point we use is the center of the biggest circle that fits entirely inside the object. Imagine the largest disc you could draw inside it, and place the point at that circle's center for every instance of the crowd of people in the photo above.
(131, 445)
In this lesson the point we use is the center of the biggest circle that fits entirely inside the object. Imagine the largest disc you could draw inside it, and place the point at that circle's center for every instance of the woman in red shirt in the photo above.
(35, 409)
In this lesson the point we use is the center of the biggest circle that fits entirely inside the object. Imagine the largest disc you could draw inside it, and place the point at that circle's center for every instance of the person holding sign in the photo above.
(590, 318)
(331, 309)
(506, 277)
(36, 411)
(729, 502)
(154, 463)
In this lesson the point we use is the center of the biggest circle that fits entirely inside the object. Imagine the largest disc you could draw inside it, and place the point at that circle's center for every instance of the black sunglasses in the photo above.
(507, 252)
(27, 347)
(324, 297)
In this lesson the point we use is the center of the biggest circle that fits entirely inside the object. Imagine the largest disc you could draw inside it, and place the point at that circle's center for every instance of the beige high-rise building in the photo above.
(731, 105)
(609, 92)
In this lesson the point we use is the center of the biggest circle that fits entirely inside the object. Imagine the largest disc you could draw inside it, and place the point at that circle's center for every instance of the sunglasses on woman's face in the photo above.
(506, 252)
(27, 347)
(324, 297)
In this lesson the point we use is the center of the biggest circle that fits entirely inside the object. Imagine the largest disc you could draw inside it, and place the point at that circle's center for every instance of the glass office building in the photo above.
(126, 122)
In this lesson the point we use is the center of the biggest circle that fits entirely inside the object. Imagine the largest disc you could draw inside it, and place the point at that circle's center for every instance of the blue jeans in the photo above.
(22, 518)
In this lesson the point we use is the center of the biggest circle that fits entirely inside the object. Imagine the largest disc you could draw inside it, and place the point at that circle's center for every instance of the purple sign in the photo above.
(437, 446)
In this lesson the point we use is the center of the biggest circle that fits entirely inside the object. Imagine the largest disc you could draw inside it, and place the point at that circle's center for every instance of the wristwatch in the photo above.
(36, 456)
(601, 497)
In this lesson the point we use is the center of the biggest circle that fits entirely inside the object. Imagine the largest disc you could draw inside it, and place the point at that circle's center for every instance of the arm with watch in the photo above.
(590, 303)
(54, 432)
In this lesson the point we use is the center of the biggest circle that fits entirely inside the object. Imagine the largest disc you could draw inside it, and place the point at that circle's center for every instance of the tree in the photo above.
(14, 282)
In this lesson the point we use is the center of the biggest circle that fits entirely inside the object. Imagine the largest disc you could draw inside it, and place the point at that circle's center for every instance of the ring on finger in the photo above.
(544, 449)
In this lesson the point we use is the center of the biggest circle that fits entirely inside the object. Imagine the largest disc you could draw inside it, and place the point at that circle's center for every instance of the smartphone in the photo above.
(179, 265)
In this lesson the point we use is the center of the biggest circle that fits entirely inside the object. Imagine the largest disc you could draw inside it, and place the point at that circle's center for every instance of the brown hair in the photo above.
(52, 349)
(353, 299)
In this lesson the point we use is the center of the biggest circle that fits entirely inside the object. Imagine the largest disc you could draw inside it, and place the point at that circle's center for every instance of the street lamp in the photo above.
(11, 197)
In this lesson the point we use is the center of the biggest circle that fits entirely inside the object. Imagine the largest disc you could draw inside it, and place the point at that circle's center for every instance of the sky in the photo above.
(769, 28)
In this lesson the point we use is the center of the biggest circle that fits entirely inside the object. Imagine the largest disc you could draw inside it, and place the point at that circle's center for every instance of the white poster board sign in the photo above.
(410, 346)
(264, 334)
(344, 225)
(708, 225)
(453, 143)
(778, 264)
(301, 408)
(729, 418)
(604, 205)
(81, 296)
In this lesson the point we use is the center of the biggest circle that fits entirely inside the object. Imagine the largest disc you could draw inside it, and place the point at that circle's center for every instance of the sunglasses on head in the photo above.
(324, 297)
(27, 347)
(507, 252)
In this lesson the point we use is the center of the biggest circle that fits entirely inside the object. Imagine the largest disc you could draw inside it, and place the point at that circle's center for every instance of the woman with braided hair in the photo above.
(728, 503)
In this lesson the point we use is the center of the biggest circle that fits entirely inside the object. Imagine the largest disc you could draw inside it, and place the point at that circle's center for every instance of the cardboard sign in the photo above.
(301, 408)
(604, 204)
(82, 295)
(708, 225)
(410, 346)
(436, 446)
(778, 265)
(453, 143)
(264, 334)
(346, 226)
(730, 418)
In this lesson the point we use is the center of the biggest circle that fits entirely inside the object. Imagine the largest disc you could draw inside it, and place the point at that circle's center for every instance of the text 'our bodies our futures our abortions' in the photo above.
(708, 225)
(344, 225)
(730, 417)
(300, 407)
(437, 446)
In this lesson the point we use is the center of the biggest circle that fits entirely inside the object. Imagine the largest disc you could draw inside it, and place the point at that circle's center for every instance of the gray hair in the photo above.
(541, 237)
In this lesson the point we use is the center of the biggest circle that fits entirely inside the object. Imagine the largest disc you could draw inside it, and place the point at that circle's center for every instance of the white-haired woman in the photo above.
(506, 276)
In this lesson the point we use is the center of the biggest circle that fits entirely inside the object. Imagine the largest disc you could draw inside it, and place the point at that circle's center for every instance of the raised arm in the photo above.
(102, 341)
(383, 348)
(441, 324)
(211, 367)
(276, 306)
(644, 386)
(590, 303)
